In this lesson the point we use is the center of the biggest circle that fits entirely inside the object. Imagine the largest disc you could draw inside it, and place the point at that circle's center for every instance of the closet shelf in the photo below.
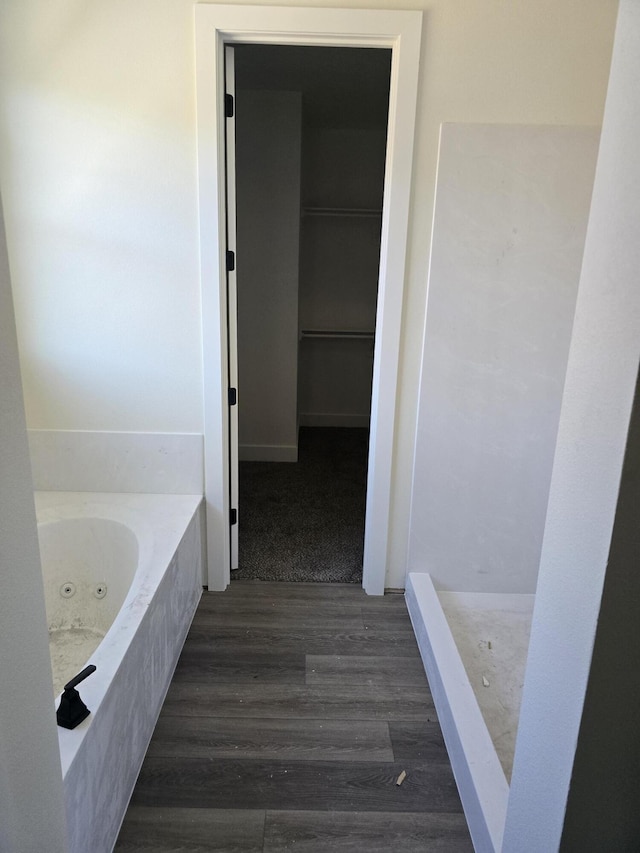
(348, 212)
(336, 334)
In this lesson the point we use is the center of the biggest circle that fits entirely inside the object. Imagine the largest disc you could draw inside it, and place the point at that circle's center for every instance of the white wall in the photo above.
(29, 757)
(268, 152)
(511, 212)
(594, 425)
(97, 164)
(98, 168)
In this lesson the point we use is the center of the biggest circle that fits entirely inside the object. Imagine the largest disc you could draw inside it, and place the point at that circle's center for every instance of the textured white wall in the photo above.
(98, 167)
(29, 758)
(511, 214)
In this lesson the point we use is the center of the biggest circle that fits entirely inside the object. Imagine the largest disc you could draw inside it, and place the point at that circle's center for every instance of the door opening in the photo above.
(310, 136)
(400, 31)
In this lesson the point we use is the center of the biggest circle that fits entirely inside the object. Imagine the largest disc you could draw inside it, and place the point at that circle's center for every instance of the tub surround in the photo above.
(147, 462)
(510, 217)
(101, 758)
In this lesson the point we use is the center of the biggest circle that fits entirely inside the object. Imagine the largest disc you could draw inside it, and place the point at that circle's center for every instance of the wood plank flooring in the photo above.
(292, 712)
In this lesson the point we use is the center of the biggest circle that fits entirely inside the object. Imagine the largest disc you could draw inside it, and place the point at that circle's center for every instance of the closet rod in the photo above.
(337, 334)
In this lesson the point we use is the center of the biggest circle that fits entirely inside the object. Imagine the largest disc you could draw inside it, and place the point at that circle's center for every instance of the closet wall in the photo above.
(268, 143)
(342, 184)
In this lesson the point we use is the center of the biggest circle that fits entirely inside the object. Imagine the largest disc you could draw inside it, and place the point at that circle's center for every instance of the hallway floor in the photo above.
(292, 713)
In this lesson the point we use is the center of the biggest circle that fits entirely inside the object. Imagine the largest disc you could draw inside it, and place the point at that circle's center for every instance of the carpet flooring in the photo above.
(304, 521)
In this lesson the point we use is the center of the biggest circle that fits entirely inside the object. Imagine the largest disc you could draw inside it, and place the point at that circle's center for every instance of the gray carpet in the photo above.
(304, 521)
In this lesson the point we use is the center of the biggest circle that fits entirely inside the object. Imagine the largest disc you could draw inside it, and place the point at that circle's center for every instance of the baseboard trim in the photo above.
(268, 453)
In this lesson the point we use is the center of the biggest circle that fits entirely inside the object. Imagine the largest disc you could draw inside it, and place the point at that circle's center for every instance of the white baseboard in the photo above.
(85, 461)
(481, 782)
(268, 453)
(320, 419)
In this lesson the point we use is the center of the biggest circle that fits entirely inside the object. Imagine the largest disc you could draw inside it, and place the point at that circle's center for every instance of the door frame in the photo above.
(401, 32)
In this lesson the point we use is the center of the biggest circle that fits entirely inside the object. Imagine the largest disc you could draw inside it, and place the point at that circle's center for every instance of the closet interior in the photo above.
(311, 138)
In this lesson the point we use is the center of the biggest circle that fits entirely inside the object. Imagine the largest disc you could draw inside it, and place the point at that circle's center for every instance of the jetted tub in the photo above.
(88, 566)
(123, 575)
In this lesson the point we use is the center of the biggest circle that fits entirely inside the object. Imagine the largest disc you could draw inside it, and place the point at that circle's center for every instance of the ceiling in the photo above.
(341, 86)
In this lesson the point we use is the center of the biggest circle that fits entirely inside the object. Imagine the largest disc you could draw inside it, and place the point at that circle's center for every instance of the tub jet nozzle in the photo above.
(72, 710)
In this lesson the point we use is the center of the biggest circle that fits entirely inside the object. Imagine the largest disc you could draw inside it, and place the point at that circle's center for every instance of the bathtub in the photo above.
(125, 572)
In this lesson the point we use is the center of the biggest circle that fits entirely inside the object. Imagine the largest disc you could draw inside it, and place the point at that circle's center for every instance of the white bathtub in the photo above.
(88, 567)
(134, 563)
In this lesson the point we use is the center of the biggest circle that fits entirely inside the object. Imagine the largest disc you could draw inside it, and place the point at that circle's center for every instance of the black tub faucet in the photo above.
(72, 710)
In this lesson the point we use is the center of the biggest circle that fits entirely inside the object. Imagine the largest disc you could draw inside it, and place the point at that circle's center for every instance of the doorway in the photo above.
(400, 31)
(310, 147)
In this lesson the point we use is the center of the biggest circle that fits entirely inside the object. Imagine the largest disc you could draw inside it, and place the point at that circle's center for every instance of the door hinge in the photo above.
(231, 260)
(233, 396)
(233, 517)
(228, 105)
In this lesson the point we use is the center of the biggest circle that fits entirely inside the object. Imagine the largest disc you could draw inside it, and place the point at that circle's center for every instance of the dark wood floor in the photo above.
(292, 713)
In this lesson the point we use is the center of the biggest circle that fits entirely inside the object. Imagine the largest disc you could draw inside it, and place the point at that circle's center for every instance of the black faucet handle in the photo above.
(72, 710)
(85, 673)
